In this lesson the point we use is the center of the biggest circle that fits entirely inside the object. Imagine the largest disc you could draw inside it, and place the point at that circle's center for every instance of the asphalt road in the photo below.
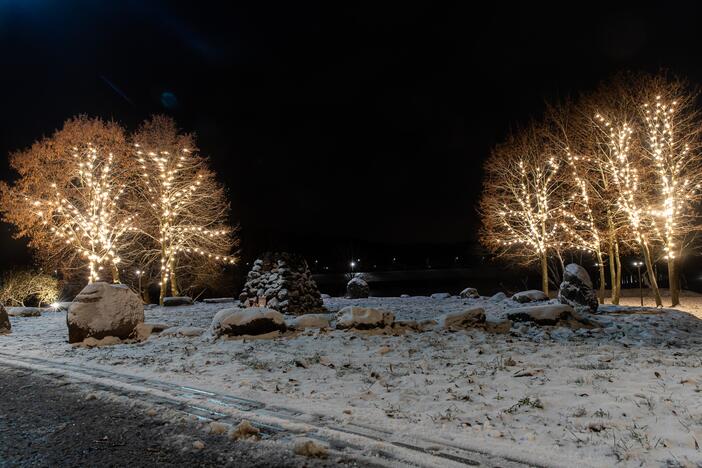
(53, 422)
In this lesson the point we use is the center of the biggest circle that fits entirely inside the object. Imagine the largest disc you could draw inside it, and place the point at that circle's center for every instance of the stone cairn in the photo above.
(283, 282)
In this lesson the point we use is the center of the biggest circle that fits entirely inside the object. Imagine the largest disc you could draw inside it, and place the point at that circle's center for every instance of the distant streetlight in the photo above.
(638, 266)
(139, 273)
(353, 265)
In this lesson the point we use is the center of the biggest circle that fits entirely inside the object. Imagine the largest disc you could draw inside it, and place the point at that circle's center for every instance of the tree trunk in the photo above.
(164, 286)
(544, 273)
(651, 273)
(115, 274)
(601, 267)
(618, 263)
(673, 282)
(174, 285)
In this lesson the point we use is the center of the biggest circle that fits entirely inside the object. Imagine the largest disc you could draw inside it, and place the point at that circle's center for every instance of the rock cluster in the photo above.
(357, 288)
(576, 289)
(5, 326)
(101, 310)
(283, 282)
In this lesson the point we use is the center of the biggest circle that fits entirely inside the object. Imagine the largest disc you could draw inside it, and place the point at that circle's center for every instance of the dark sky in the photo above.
(340, 121)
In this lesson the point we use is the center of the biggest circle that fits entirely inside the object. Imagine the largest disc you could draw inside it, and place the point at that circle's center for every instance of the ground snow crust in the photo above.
(630, 392)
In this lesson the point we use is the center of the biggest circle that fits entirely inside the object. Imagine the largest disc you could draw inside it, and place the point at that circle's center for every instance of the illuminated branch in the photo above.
(184, 210)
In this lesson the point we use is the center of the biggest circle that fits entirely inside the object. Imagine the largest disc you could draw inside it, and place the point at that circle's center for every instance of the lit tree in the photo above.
(183, 209)
(20, 286)
(67, 199)
(671, 134)
(632, 193)
(579, 218)
(521, 206)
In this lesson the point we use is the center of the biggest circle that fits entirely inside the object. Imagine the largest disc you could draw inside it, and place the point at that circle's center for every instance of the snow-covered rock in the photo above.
(310, 321)
(326, 296)
(24, 311)
(460, 320)
(249, 321)
(576, 289)
(102, 310)
(404, 296)
(363, 318)
(218, 300)
(5, 326)
(177, 301)
(547, 314)
(499, 297)
(469, 293)
(357, 288)
(532, 295)
(443, 295)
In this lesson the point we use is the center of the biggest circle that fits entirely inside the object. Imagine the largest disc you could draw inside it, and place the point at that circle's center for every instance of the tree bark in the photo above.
(115, 274)
(174, 285)
(618, 273)
(544, 273)
(651, 273)
(601, 267)
(673, 282)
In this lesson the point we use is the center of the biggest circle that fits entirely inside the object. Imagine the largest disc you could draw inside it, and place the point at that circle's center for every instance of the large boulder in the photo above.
(5, 326)
(532, 295)
(283, 282)
(174, 301)
(249, 321)
(357, 288)
(102, 310)
(363, 318)
(469, 293)
(576, 289)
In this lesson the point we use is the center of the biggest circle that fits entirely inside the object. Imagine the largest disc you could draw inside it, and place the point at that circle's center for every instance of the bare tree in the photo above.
(671, 132)
(20, 286)
(67, 199)
(183, 209)
(522, 204)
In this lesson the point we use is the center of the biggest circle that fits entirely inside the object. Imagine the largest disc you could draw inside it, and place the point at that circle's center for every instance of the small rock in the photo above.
(363, 318)
(499, 297)
(357, 288)
(250, 321)
(183, 331)
(198, 445)
(443, 295)
(549, 314)
(469, 293)
(245, 430)
(217, 428)
(310, 448)
(461, 320)
(24, 311)
(310, 321)
(532, 295)
(177, 301)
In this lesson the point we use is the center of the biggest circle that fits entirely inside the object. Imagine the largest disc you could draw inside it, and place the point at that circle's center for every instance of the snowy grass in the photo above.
(629, 393)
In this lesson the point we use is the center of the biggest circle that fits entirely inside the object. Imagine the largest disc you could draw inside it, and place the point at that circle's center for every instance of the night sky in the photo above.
(332, 125)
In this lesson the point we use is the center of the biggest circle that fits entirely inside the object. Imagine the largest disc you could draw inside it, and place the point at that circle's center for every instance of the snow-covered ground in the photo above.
(630, 392)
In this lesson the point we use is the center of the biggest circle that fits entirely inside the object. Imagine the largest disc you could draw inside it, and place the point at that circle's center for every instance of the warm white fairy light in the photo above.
(86, 214)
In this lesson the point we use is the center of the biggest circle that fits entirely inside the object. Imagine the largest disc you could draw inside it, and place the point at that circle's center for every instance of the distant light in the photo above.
(55, 305)
(353, 264)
